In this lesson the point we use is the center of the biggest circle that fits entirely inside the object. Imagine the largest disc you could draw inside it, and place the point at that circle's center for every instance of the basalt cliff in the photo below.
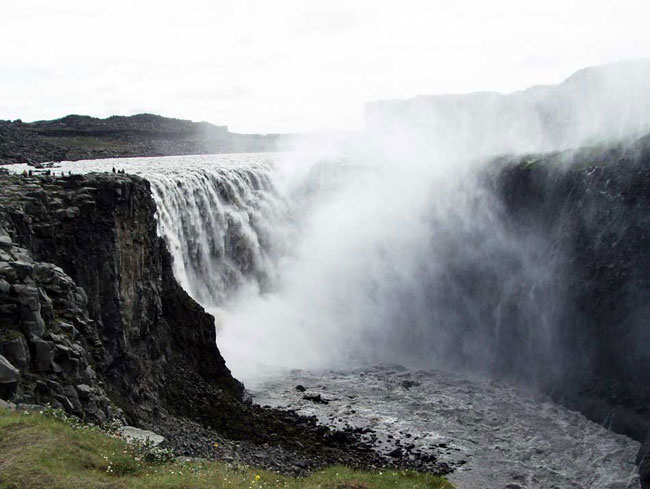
(89, 299)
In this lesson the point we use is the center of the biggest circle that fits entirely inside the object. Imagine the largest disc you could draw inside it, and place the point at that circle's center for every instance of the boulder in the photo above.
(61, 353)
(8, 272)
(81, 296)
(55, 387)
(5, 242)
(34, 329)
(15, 350)
(65, 403)
(69, 329)
(407, 384)
(9, 316)
(5, 287)
(44, 354)
(8, 373)
(23, 269)
(84, 391)
(317, 398)
(131, 433)
(7, 405)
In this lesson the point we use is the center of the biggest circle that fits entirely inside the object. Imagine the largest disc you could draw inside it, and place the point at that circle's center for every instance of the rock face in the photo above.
(593, 206)
(46, 337)
(131, 329)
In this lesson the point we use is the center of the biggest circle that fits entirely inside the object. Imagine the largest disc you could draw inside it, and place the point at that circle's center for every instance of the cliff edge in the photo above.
(142, 334)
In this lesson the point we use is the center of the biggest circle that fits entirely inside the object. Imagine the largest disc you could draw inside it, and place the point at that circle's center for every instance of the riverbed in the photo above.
(493, 434)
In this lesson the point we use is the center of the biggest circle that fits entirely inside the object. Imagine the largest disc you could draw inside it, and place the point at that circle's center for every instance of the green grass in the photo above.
(37, 451)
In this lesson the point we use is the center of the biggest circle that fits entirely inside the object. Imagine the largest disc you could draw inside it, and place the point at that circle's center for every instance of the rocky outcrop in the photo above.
(146, 335)
(47, 339)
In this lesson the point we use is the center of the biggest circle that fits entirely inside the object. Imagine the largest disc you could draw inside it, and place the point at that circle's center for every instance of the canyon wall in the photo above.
(593, 207)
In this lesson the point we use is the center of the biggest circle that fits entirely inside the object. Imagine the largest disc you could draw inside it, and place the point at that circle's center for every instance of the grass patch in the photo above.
(41, 452)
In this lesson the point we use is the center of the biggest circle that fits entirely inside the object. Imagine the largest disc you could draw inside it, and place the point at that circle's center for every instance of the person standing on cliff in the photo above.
(113, 169)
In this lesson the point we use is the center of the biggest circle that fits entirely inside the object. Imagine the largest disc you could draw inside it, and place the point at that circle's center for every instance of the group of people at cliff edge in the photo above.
(47, 173)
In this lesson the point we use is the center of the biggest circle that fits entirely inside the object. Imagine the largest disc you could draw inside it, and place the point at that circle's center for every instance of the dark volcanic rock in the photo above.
(407, 384)
(317, 398)
(37, 357)
(140, 324)
(593, 206)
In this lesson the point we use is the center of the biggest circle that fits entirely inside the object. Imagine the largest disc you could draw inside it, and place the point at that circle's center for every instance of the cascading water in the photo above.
(221, 225)
(224, 221)
(408, 267)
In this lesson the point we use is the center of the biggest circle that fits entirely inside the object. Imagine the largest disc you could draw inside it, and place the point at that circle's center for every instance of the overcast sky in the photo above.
(293, 65)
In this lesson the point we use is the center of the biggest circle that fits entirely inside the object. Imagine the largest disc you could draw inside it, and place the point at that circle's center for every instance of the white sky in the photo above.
(293, 65)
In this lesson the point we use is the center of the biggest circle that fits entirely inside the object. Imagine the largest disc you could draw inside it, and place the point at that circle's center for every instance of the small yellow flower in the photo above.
(257, 477)
(215, 445)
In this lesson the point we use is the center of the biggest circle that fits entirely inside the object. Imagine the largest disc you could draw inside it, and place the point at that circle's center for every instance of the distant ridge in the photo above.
(594, 105)
(139, 123)
(77, 137)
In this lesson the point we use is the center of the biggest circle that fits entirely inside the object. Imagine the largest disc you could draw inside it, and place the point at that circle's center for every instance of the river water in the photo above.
(496, 435)
(225, 223)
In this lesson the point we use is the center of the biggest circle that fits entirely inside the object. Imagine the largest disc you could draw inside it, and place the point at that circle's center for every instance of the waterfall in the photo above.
(404, 256)
(404, 249)
(222, 226)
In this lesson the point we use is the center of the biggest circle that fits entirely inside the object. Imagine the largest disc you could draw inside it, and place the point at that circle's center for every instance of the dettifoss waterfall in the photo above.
(351, 277)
